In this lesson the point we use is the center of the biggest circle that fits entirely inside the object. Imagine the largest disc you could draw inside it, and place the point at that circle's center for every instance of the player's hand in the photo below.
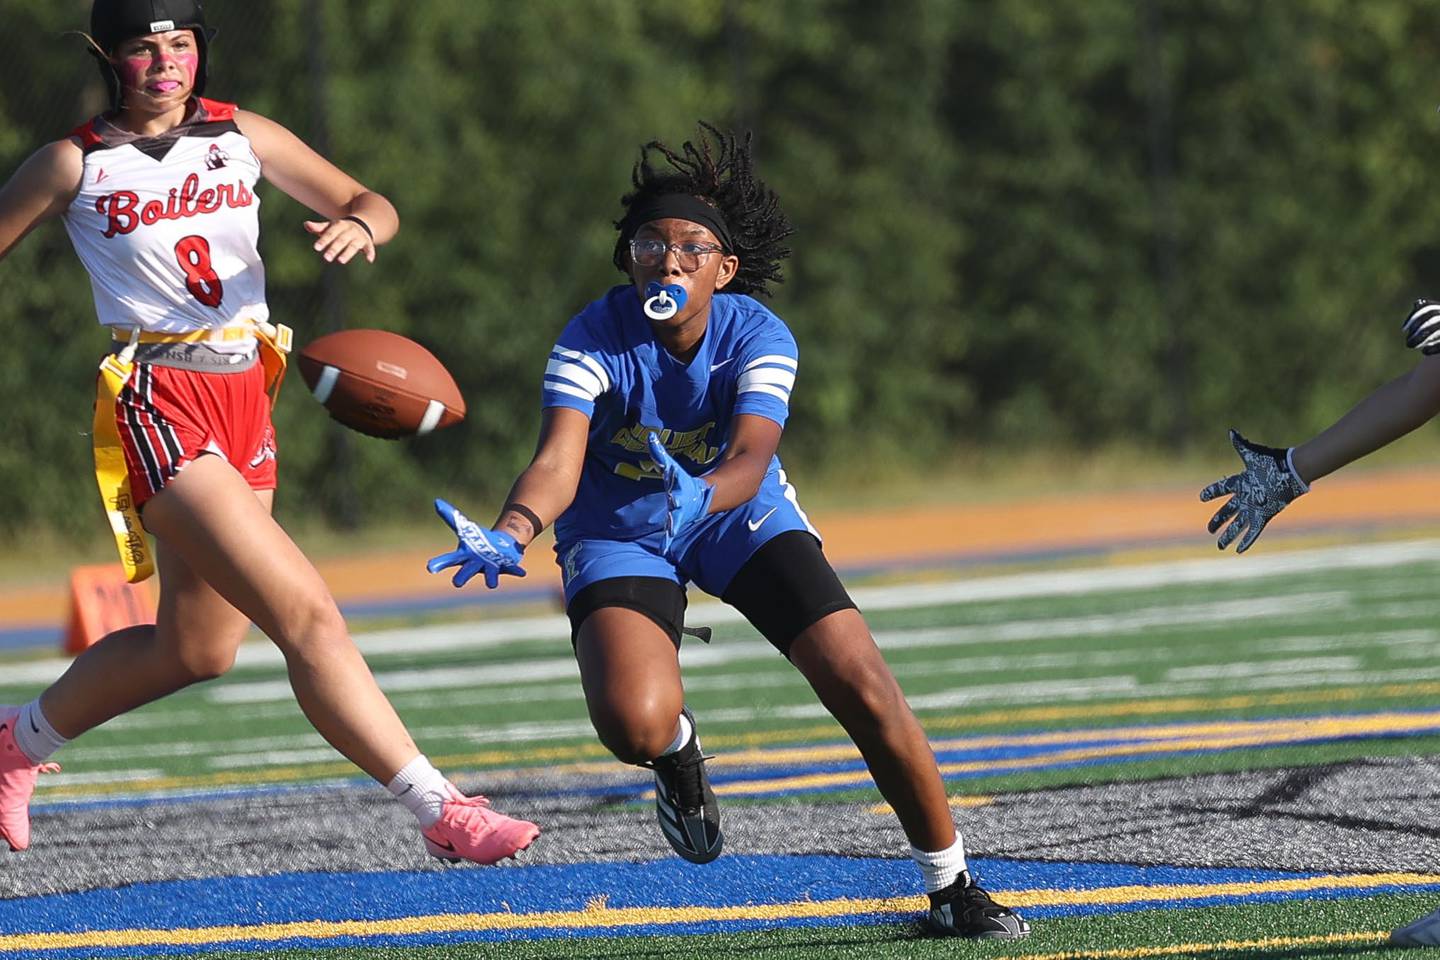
(1422, 327)
(1263, 489)
(341, 240)
(479, 550)
(688, 497)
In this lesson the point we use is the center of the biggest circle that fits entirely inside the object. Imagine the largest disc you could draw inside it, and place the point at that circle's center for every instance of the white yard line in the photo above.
(1241, 669)
(502, 632)
(103, 776)
(1150, 619)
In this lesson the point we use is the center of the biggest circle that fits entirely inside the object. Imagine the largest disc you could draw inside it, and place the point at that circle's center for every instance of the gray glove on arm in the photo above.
(1266, 486)
(1422, 327)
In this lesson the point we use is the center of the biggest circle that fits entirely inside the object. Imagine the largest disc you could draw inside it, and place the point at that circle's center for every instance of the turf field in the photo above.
(1217, 757)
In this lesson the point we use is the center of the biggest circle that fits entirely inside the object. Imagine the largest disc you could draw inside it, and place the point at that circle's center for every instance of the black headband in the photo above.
(678, 206)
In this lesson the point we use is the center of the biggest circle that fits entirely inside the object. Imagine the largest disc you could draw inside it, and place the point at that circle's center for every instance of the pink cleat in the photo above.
(17, 782)
(469, 830)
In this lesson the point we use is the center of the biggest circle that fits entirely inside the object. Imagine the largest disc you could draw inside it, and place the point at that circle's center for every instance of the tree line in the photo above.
(1019, 222)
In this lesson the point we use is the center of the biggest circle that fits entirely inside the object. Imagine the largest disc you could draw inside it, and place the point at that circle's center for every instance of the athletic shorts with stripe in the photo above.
(708, 554)
(713, 554)
(167, 417)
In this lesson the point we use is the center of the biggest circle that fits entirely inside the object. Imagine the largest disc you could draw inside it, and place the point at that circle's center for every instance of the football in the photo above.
(380, 383)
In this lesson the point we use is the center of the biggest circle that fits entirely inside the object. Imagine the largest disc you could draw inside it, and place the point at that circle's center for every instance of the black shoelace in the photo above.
(974, 899)
(689, 789)
(685, 776)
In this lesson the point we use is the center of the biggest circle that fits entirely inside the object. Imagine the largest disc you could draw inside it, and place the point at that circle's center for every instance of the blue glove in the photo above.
(479, 550)
(688, 497)
(1266, 486)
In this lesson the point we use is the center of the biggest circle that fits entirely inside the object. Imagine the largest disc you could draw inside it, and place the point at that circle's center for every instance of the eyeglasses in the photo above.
(689, 253)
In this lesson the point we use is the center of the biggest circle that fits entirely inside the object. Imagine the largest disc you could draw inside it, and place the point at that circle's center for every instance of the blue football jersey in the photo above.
(608, 365)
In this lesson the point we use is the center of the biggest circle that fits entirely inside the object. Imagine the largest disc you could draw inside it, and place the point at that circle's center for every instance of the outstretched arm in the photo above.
(41, 189)
(305, 176)
(752, 443)
(1273, 477)
(541, 494)
(547, 486)
(1384, 416)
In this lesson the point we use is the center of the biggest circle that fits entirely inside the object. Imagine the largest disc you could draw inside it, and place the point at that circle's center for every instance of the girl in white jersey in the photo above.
(158, 196)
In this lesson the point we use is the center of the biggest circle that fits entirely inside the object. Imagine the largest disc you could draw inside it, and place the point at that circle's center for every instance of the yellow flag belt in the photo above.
(110, 473)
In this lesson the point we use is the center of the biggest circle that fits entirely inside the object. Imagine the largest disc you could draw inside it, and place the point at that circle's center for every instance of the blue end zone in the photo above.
(661, 884)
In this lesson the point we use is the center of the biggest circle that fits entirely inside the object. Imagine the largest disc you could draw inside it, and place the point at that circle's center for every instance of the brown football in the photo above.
(380, 383)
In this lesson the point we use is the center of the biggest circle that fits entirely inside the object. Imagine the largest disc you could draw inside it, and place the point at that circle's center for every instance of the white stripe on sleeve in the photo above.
(774, 358)
(589, 363)
(555, 387)
(576, 376)
(772, 376)
(784, 395)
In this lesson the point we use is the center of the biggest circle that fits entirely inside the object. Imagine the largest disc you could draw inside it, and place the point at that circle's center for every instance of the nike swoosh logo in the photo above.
(756, 524)
(32, 725)
(447, 845)
(717, 366)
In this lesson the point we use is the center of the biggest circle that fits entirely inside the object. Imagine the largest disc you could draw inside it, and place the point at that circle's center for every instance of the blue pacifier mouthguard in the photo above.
(663, 300)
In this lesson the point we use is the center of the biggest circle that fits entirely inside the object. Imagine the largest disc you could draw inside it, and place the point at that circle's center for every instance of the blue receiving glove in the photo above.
(689, 497)
(479, 550)
(1267, 485)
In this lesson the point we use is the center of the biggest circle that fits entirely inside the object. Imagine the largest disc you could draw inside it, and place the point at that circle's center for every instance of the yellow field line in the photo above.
(1133, 708)
(1199, 949)
(597, 915)
(1225, 737)
(958, 802)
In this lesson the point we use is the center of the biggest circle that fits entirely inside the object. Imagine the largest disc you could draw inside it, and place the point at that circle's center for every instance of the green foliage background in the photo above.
(1020, 222)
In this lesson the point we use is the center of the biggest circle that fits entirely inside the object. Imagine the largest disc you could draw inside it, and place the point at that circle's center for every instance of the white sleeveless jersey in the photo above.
(167, 226)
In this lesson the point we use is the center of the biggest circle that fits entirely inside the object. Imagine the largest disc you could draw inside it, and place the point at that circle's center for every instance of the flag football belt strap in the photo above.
(275, 340)
(111, 475)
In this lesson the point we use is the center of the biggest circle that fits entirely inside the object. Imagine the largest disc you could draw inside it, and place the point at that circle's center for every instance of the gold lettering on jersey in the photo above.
(686, 443)
(125, 213)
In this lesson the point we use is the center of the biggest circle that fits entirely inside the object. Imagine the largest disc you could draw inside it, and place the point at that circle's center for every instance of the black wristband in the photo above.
(536, 524)
(363, 225)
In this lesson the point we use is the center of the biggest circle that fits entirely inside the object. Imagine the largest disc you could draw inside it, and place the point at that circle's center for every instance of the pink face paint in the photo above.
(133, 70)
(136, 71)
(188, 63)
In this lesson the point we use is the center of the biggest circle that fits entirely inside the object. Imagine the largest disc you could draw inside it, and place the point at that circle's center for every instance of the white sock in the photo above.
(34, 735)
(422, 789)
(681, 738)
(941, 867)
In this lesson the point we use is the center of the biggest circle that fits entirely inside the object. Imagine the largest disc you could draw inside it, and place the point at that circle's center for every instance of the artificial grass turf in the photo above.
(1350, 928)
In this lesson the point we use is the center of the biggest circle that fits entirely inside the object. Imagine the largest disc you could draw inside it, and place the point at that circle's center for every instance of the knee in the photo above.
(636, 732)
(871, 692)
(206, 662)
(858, 688)
(312, 629)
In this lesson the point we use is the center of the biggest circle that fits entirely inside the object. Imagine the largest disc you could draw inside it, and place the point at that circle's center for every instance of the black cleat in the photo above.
(684, 803)
(964, 910)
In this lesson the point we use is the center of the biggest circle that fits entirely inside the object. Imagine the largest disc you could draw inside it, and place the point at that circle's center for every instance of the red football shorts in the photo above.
(166, 417)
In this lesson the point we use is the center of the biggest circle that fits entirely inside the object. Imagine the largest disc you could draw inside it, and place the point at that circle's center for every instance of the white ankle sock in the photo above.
(681, 738)
(941, 867)
(422, 789)
(34, 735)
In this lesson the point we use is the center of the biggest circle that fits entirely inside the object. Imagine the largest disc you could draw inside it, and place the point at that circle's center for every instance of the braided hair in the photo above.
(720, 173)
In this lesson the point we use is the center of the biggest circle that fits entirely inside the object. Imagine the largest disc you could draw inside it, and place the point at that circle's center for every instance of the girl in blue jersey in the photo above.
(664, 403)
